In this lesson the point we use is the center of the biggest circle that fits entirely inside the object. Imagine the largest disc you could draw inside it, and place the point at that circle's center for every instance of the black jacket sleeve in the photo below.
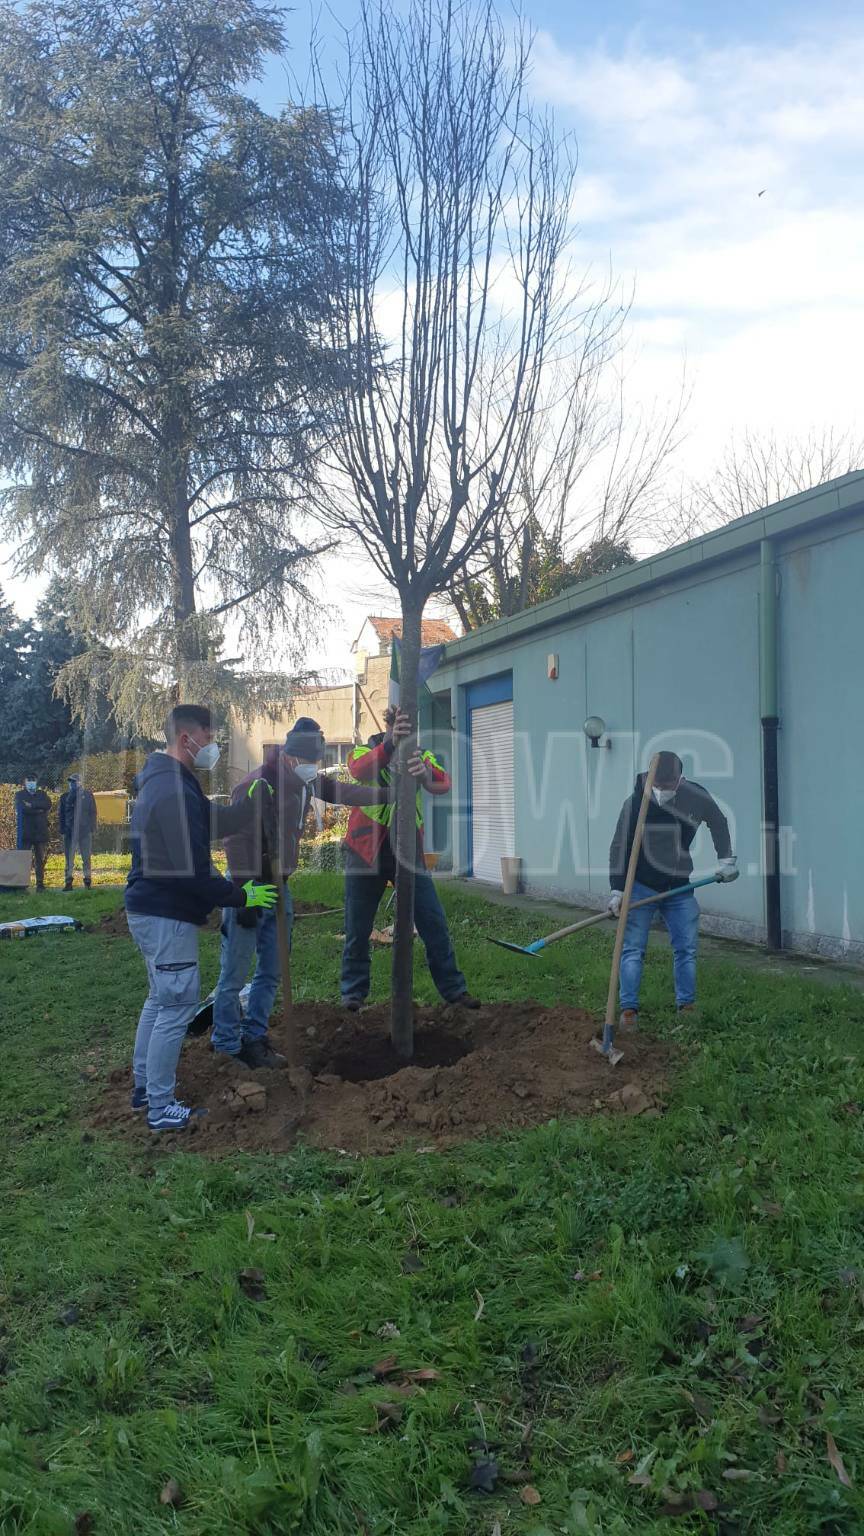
(182, 840)
(622, 841)
(225, 820)
(334, 792)
(716, 823)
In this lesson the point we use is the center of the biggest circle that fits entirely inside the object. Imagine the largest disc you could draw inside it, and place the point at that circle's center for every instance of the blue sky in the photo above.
(683, 115)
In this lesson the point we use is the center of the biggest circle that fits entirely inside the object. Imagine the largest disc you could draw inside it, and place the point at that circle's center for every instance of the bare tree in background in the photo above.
(758, 470)
(590, 478)
(455, 249)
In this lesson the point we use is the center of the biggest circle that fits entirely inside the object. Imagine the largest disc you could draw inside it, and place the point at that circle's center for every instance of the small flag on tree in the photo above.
(430, 657)
(393, 691)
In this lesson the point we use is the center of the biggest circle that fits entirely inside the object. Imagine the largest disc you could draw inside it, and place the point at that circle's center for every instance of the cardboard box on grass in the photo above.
(15, 867)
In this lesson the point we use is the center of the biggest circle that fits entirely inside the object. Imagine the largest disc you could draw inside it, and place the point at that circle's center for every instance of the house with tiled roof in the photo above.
(375, 636)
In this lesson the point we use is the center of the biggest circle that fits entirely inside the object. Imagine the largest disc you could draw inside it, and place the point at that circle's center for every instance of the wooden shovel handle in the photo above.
(271, 837)
(612, 998)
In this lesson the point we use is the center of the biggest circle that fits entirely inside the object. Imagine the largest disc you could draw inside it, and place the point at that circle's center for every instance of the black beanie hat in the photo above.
(305, 740)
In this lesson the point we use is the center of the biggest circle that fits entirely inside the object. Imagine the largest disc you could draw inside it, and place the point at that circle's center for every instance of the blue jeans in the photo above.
(239, 944)
(681, 916)
(363, 891)
(170, 953)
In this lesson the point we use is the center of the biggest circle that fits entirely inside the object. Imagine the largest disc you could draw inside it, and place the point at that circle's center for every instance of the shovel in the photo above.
(599, 917)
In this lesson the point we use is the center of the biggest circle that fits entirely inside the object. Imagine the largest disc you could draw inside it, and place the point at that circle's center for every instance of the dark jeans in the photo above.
(364, 888)
(40, 854)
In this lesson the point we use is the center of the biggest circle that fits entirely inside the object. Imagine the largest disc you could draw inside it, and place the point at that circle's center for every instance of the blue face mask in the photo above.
(30, 785)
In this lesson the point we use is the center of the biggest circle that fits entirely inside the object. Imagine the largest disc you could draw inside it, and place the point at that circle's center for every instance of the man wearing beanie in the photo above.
(289, 778)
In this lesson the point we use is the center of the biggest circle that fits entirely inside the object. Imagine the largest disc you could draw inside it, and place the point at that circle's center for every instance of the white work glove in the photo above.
(727, 869)
(615, 901)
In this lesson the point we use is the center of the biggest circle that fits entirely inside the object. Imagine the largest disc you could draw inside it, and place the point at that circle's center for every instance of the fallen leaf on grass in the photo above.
(738, 1475)
(388, 1331)
(530, 1495)
(751, 1323)
(85, 1523)
(426, 1374)
(385, 1367)
(768, 1417)
(484, 1475)
(412, 1264)
(836, 1461)
(581, 1275)
(780, 1463)
(623, 1457)
(683, 1503)
(389, 1416)
(252, 1284)
(770, 1208)
(702, 1404)
(172, 1494)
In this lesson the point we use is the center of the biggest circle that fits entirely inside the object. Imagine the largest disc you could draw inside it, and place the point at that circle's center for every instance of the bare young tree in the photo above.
(450, 266)
(756, 471)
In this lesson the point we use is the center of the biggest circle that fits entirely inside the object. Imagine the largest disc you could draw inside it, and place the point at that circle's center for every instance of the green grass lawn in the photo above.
(657, 1324)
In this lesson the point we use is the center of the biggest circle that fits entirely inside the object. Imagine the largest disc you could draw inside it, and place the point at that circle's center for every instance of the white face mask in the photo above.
(306, 772)
(663, 796)
(207, 757)
(30, 784)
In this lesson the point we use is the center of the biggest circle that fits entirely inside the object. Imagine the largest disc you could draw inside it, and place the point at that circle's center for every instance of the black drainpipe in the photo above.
(770, 727)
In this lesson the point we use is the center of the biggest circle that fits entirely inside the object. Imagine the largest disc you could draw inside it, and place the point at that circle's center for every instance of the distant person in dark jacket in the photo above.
(77, 825)
(171, 890)
(677, 810)
(288, 780)
(32, 806)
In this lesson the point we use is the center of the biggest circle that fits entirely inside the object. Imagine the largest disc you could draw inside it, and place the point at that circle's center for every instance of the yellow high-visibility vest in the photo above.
(383, 814)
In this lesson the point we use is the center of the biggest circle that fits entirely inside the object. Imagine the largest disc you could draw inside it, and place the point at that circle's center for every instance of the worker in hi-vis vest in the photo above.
(370, 865)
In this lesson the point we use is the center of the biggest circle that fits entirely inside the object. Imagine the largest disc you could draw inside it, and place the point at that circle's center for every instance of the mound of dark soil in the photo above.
(475, 1074)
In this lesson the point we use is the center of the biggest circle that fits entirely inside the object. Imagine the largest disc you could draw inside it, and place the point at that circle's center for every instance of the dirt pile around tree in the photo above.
(475, 1074)
(114, 925)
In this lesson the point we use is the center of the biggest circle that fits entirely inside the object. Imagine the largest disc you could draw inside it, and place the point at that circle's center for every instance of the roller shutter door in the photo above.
(492, 806)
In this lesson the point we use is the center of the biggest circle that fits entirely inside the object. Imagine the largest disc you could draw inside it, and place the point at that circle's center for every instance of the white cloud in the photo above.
(762, 293)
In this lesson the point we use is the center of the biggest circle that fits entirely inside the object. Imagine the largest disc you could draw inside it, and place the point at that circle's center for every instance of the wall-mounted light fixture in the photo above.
(594, 728)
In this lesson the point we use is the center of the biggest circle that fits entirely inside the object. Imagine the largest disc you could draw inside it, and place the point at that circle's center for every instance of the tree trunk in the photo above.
(174, 498)
(402, 990)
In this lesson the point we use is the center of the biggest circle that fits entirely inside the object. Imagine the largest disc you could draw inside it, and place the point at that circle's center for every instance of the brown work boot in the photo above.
(628, 1019)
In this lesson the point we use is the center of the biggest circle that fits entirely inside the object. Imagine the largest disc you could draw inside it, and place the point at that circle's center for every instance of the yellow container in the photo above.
(111, 806)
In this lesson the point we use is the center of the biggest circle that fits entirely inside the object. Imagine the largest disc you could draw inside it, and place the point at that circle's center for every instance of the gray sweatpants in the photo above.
(170, 952)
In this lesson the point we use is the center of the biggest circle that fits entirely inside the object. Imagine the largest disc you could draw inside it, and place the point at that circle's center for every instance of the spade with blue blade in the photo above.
(599, 917)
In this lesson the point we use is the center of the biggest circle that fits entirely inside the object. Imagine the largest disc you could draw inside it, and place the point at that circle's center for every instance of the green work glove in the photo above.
(260, 895)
